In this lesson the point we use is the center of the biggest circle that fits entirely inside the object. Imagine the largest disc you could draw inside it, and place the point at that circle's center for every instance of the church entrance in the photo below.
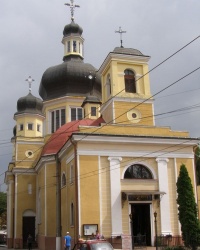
(141, 224)
(28, 228)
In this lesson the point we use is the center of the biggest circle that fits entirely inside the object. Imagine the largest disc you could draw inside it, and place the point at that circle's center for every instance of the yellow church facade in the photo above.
(89, 156)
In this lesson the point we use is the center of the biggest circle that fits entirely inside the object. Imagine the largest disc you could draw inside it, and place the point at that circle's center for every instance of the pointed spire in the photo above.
(120, 31)
(72, 8)
(30, 80)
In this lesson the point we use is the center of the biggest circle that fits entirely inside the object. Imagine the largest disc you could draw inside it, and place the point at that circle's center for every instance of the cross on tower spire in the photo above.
(72, 8)
(30, 80)
(120, 31)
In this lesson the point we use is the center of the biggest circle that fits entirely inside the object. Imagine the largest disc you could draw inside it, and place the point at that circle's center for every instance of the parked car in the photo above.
(3, 236)
(94, 245)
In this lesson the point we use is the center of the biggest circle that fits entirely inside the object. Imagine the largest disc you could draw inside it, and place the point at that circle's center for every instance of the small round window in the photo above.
(29, 153)
(134, 116)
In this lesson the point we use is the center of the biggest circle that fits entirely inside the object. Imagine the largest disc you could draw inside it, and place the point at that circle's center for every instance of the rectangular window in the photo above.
(21, 127)
(93, 111)
(74, 46)
(76, 114)
(68, 46)
(30, 126)
(39, 127)
(58, 118)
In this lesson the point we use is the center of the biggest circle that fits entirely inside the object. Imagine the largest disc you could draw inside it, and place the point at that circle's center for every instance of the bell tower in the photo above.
(125, 87)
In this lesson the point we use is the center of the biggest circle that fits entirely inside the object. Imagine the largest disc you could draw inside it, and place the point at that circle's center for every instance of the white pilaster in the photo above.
(115, 189)
(9, 208)
(164, 202)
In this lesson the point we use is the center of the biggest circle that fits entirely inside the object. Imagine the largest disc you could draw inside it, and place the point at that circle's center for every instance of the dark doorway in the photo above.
(141, 224)
(28, 228)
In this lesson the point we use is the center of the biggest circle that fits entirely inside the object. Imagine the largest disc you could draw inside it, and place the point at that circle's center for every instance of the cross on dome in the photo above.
(30, 80)
(72, 8)
(120, 31)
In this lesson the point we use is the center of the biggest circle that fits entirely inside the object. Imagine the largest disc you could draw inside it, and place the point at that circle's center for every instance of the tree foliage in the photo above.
(187, 210)
(3, 203)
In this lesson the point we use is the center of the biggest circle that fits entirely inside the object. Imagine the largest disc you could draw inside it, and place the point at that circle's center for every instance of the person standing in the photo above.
(67, 242)
(29, 242)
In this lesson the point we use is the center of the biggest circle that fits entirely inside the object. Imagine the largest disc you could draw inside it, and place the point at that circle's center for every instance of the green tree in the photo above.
(187, 210)
(3, 203)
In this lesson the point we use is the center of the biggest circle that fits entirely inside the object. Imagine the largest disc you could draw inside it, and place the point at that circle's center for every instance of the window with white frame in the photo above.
(76, 113)
(39, 127)
(30, 126)
(58, 118)
(93, 111)
(129, 79)
(21, 127)
(68, 46)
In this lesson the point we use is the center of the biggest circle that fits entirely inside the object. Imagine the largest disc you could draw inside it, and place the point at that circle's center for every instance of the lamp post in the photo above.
(155, 217)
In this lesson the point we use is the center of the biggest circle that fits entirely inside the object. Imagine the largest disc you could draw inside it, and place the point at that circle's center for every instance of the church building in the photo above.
(88, 155)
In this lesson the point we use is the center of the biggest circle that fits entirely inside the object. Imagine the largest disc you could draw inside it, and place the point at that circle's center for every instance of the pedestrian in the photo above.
(67, 244)
(98, 236)
(29, 242)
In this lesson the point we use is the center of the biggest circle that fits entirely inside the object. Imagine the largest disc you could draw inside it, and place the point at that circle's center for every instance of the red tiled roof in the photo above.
(61, 136)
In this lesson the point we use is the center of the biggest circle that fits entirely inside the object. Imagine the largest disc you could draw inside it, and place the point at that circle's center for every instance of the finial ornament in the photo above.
(72, 8)
(120, 31)
(30, 80)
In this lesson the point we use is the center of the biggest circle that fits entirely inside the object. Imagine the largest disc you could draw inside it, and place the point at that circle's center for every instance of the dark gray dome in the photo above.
(29, 104)
(70, 78)
(72, 28)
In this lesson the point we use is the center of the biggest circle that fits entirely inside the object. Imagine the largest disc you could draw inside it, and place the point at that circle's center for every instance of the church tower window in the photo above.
(21, 127)
(93, 111)
(137, 171)
(39, 127)
(76, 114)
(30, 126)
(129, 79)
(68, 46)
(74, 46)
(57, 119)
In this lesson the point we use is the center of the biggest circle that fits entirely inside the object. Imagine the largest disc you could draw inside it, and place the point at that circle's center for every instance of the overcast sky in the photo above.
(30, 42)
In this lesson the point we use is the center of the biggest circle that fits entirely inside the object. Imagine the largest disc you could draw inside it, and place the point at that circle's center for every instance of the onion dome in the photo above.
(72, 28)
(29, 104)
(71, 78)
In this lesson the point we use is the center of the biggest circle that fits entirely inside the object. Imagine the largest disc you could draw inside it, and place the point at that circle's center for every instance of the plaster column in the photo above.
(164, 202)
(9, 209)
(115, 193)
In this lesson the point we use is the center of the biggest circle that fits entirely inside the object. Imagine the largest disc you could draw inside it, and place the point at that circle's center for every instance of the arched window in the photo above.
(129, 79)
(137, 171)
(63, 183)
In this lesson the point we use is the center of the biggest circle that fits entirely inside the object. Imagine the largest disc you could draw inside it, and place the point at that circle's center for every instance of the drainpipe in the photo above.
(76, 228)
(58, 204)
